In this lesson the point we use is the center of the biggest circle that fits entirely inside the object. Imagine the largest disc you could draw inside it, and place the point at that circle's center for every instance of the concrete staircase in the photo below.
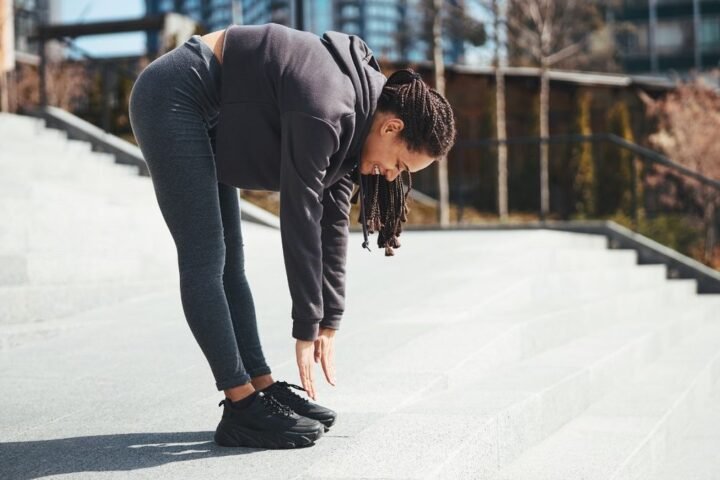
(505, 354)
(564, 360)
(77, 231)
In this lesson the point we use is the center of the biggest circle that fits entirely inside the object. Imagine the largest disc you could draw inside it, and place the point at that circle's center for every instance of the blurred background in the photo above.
(566, 110)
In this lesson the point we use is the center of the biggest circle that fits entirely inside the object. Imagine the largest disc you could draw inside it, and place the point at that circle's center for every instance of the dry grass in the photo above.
(420, 214)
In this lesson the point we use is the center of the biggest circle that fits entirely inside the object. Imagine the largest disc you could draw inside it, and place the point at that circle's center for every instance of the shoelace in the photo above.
(275, 406)
(271, 403)
(287, 393)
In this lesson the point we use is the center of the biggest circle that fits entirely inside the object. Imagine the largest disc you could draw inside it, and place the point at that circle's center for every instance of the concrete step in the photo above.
(10, 119)
(151, 234)
(402, 352)
(693, 453)
(551, 291)
(49, 143)
(492, 340)
(111, 263)
(32, 149)
(37, 303)
(535, 257)
(66, 215)
(24, 127)
(567, 258)
(537, 290)
(46, 196)
(86, 253)
(105, 184)
(631, 431)
(467, 242)
(485, 424)
(62, 163)
(87, 266)
(56, 162)
(15, 335)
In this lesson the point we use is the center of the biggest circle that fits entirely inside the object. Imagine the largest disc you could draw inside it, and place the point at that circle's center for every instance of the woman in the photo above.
(272, 108)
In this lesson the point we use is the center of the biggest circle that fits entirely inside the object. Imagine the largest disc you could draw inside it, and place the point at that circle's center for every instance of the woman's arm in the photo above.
(307, 143)
(335, 229)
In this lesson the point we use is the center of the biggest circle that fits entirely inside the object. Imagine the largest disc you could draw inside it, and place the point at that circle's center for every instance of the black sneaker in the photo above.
(265, 423)
(302, 406)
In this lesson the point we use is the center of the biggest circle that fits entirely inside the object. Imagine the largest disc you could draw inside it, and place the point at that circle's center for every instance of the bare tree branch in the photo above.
(564, 53)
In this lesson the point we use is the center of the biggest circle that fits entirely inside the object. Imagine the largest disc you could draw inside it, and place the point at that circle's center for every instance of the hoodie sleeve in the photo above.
(307, 143)
(335, 228)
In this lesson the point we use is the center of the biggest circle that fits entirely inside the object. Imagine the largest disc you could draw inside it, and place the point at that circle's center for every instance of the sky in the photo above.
(76, 11)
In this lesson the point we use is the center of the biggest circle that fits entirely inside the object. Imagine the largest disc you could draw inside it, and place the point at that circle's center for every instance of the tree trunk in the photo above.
(500, 119)
(5, 19)
(544, 146)
(4, 95)
(709, 223)
(439, 62)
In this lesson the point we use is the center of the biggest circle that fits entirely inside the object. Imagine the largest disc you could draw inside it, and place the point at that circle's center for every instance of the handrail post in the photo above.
(42, 67)
(633, 193)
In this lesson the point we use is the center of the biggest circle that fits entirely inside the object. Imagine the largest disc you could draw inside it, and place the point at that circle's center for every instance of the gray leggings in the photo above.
(173, 112)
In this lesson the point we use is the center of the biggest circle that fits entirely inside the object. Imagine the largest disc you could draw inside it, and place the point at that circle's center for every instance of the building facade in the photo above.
(394, 29)
(211, 14)
(657, 36)
(28, 14)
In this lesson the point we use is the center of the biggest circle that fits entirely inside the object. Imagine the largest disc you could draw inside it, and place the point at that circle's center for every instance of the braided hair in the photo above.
(429, 128)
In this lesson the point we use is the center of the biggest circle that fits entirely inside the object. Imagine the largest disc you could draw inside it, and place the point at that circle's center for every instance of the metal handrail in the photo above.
(644, 152)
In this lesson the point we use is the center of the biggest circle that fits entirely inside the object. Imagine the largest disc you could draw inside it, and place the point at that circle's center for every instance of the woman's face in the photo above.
(385, 153)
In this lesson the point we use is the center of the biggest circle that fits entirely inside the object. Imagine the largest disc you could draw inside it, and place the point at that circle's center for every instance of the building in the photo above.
(668, 35)
(392, 28)
(386, 25)
(28, 15)
(210, 14)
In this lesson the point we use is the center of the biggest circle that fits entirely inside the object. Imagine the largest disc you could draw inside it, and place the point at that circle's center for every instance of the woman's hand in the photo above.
(321, 350)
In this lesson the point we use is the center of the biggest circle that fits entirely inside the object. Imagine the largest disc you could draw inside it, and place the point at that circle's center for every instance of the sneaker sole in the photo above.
(328, 425)
(244, 437)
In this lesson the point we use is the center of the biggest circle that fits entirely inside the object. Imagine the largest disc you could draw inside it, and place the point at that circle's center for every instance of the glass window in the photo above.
(674, 36)
(668, 36)
(167, 6)
(710, 32)
(351, 28)
(350, 11)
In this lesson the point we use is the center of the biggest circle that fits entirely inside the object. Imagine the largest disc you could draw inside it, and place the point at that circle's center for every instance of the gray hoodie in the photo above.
(295, 111)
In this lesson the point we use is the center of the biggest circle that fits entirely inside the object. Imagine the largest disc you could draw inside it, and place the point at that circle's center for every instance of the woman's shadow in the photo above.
(101, 453)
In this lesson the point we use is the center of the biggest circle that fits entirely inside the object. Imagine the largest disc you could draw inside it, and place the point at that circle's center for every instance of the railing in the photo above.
(591, 177)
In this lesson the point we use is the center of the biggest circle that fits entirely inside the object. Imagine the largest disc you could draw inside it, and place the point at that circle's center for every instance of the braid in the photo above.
(386, 203)
(427, 115)
(429, 127)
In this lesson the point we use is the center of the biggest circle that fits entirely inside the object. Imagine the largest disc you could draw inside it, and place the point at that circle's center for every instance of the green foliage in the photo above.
(582, 160)
(615, 171)
(675, 230)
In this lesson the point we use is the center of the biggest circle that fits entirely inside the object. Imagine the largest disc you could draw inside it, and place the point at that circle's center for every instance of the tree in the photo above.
(452, 17)
(6, 52)
(688, 122)
(548, 32)
(497, 11)
(67, 85)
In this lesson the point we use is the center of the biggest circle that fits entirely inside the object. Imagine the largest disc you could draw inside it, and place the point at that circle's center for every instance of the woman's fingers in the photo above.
(318, 349)
(304, 353)
(309, 384)
(321, 350)
(306, 379)
(328, 361)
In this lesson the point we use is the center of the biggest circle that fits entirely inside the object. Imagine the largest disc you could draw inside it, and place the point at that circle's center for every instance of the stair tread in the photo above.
(694, 454)
(472, 410)
(597, 443)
